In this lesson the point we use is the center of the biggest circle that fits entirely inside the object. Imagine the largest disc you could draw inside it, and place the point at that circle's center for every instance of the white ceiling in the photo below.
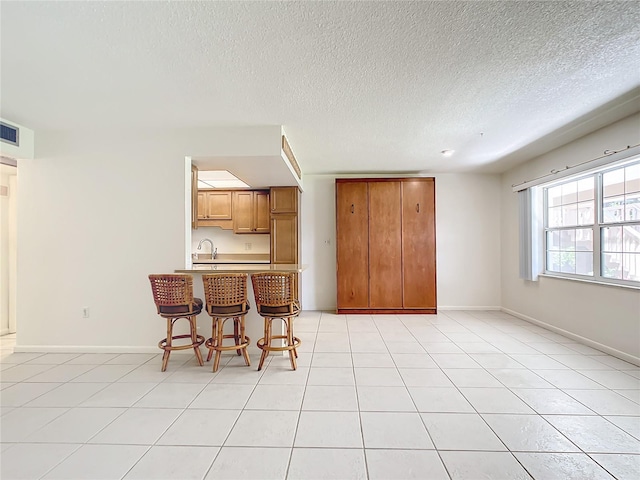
(358, 86)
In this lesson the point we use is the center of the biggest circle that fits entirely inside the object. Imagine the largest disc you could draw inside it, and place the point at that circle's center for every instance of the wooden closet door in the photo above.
(352, 244)
(419, 243)
(385, 245)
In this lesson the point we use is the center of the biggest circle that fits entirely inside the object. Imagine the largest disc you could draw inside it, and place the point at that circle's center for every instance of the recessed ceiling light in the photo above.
(219, 179)
(447, 153)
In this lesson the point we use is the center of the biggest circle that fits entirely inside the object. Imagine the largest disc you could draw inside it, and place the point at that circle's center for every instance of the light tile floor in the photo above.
(458, 395)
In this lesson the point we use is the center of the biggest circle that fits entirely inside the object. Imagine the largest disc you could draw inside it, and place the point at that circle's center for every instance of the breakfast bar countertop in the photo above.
(242, 268)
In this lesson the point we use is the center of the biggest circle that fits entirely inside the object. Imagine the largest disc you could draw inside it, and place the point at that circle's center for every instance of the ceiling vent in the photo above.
(9, 134)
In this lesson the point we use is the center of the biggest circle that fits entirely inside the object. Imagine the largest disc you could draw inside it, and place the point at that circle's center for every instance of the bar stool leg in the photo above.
(219, 337)
(213, 337)
(295, 351)
(167, 349)
(240, 320)
(236, 338)
(194, 339)
(292, 352)
(267, 342)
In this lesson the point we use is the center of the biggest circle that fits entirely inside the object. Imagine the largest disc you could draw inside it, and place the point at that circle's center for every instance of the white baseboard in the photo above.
(84, 349)
(578, 338)
(5, 331)
(448, 307)
(105, 349)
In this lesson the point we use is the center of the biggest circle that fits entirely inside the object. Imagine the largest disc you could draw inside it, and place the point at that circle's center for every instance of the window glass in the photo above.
(586, 189)
(613, 183)
(612, 265)
(569, 192)
(632, 178)
(632, 207)
(585, 213)
(613, 209)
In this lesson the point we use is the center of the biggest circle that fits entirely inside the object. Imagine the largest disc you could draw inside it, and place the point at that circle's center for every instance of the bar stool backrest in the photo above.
(172, 290)
(225, 290)
(274, 293)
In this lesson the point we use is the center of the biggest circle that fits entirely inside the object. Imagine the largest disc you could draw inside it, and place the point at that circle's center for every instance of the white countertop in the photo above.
(242, 268)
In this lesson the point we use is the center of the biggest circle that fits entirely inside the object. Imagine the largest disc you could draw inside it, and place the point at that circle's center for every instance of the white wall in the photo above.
(606, 315)
(97, 212)
(467, 241)
(228, 242)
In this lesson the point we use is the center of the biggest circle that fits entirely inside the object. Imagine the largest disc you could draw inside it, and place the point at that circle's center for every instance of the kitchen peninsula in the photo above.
(229, 235)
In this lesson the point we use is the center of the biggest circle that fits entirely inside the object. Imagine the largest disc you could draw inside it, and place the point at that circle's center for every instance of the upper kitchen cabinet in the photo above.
(251, 211)
(284, 200)
(385, 245)
(214, 208)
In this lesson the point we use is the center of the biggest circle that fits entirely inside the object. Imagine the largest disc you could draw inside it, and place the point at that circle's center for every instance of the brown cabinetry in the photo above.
(284, 238)
(251, 211)
(214, 205)
(284, 200)
(213, 209)
(385, 245)
(285, 228)
(284, 225)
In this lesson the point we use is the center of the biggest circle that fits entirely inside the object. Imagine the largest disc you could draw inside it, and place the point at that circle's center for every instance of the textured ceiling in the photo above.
(358, 86)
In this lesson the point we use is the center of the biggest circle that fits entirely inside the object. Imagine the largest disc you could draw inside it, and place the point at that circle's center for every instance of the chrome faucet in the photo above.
(214, 251)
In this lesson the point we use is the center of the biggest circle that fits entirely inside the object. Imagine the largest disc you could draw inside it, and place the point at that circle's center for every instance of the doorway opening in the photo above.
(8, 246)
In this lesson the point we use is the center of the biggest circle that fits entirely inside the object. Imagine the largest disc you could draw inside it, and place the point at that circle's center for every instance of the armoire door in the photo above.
(385, 244)
(352, 244)
(419, 243)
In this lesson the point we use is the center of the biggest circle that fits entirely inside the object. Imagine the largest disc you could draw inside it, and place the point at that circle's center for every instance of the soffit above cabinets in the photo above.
(256, 171)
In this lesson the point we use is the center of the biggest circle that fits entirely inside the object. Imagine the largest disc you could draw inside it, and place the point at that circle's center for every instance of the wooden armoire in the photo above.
(386, 245)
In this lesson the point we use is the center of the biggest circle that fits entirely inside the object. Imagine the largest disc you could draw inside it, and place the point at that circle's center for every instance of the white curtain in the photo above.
(529, 234)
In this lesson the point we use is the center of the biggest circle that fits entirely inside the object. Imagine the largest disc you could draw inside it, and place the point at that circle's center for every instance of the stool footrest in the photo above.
(269, 348)
(163, 343)
(210, 344)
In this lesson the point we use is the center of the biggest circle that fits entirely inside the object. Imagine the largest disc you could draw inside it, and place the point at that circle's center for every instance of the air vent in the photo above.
(9, 134)
(292, 159)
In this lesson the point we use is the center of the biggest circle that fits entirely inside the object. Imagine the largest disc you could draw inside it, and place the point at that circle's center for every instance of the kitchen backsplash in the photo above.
(228, 242)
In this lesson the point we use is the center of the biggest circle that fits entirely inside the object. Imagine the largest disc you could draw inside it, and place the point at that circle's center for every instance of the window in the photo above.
(592, 225)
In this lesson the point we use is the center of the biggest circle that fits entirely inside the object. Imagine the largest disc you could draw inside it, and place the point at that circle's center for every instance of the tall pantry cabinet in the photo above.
(386, 245)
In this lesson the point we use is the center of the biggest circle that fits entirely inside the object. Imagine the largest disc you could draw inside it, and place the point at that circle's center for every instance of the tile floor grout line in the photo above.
(295, 432)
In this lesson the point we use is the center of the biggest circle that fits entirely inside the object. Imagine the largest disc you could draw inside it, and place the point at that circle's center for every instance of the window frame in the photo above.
(597, 227)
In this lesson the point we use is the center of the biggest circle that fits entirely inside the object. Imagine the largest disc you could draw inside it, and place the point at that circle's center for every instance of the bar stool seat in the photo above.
(173, 296)
(275, 299)
(226, 298)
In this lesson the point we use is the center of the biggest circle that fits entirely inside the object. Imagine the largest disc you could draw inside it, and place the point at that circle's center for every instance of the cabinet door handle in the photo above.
(418, 207)
(352, 208)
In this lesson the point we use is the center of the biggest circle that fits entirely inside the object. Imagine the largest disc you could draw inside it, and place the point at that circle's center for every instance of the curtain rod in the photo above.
(555, 171)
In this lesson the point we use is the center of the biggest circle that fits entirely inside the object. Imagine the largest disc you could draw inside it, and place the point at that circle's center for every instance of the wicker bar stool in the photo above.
(275, 298)
(173, 296)
(226, 297)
